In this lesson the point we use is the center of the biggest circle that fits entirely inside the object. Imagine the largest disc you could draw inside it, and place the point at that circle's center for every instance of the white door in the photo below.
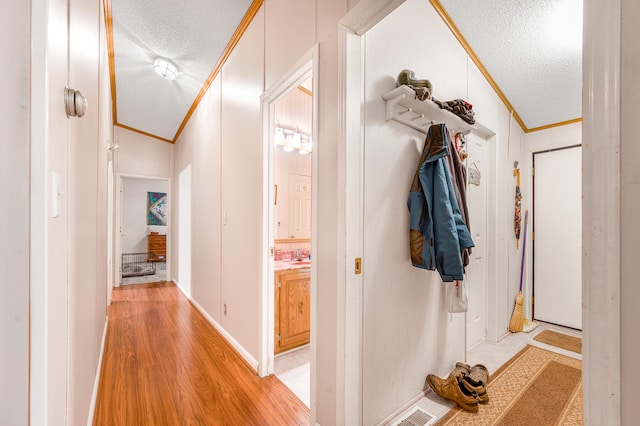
(557, 276)
(299, 206)
(476, 274)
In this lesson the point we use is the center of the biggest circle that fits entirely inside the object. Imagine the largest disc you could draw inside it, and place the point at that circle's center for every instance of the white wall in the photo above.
(141, 155)
(241, 153)
(226, 195)
(629, 207)
(14, 227)
(134, 212)
(223, 143)
(407, 330)
(68, 261)
(206, 186)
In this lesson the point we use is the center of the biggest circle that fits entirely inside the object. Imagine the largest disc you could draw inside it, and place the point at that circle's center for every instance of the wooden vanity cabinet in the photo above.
(292, 309)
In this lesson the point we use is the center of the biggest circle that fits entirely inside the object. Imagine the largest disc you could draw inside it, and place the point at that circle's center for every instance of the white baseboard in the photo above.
(96, 383)
(182, 289)
(253, 363)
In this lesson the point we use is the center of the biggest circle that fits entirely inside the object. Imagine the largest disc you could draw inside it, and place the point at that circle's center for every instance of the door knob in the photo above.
(75, 103)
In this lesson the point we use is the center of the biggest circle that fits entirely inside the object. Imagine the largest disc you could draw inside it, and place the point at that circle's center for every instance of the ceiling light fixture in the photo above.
(165, 68)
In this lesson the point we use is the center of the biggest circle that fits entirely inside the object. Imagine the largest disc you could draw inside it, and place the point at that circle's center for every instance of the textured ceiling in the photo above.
(533, 51)
(193, 34)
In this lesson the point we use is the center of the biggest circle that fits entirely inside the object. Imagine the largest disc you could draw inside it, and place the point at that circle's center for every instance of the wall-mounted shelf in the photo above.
(403, 107)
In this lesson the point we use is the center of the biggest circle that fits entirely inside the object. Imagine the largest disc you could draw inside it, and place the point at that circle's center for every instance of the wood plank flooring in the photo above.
(165, 364)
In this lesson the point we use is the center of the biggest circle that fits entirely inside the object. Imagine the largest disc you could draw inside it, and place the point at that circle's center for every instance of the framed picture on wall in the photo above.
(156, 208)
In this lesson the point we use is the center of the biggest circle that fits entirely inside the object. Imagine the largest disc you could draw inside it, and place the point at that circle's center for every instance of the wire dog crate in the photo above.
(138, 264)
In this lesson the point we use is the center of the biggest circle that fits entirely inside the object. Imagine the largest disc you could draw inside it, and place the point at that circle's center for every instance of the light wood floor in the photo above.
(164, 364)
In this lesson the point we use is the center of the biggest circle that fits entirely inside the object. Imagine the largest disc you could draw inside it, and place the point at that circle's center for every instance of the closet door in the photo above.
(557, 272)
(476, 274)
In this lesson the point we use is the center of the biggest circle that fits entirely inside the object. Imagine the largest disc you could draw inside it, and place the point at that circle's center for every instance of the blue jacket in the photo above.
(437, 233)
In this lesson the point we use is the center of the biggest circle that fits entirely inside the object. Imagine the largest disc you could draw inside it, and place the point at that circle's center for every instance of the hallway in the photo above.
(164, 364)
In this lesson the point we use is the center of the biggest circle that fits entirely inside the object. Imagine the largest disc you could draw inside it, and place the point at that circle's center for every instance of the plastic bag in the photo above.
(456, 297)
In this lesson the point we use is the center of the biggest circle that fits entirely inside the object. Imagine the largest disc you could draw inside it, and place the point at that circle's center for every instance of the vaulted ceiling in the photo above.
(194, 35)
(531, 52)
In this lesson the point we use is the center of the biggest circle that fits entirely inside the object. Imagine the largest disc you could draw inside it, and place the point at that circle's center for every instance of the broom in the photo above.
(517, 319)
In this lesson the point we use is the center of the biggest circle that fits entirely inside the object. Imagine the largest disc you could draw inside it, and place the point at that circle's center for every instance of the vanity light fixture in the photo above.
(306, 147)
(297, 140)
(279, 138)
(290, 140)
(165, 68)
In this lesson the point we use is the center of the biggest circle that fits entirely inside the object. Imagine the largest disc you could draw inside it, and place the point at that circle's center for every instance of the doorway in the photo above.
(184, 230)
(288, 296)
(557, 246)
(143, 230)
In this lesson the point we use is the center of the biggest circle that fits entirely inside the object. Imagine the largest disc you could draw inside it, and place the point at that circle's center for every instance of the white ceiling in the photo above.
(531, 49)
(193, 34)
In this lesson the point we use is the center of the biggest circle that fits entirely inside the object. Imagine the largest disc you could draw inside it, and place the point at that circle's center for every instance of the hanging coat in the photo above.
(458, 173)
(437, 233)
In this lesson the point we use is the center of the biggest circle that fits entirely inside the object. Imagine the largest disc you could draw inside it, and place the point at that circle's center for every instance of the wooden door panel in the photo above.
(294, 309)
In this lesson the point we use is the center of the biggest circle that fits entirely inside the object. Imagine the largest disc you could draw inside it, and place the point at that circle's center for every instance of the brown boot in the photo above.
(476, 386)
(476, 381)
(479, 374)
(460, 367)
(480, 391)
(450, 389)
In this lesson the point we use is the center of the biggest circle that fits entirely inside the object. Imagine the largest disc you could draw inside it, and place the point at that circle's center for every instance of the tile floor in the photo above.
(492, 355)
(293, 368)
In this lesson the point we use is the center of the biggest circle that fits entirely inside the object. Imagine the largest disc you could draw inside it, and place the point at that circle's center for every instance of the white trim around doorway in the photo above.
(601, 279)
(303, 69)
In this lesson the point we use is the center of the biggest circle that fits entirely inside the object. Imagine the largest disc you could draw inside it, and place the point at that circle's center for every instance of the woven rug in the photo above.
(536, 387)
(560, 340)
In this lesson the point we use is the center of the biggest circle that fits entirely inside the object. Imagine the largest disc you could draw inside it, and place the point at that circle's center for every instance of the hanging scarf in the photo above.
(517, 217)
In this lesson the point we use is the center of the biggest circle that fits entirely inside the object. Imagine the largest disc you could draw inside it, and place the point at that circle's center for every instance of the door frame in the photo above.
(306, 67)
(529, 305)
(117, 229)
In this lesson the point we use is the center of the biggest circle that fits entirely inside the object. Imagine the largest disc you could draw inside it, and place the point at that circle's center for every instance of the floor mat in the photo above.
(560, 340)
(536, 387)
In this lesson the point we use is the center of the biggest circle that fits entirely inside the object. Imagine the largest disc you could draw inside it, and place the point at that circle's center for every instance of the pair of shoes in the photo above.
(474, 379)
(452, 389)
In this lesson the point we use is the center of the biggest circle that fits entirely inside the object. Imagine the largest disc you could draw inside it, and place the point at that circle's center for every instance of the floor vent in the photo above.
(417, 418)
